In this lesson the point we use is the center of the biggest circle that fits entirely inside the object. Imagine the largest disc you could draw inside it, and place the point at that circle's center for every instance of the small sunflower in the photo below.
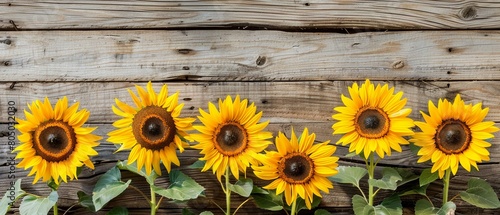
(53, 141)
(373, 120)
(298, 168)
(454, 133)
(152, 130)
(230, 136)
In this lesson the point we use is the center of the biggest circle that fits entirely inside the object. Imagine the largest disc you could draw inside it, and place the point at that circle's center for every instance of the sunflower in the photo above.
(454, 133)
(230, 136)
(298, 168)
(53, 142)
(152, 130)
(373, 120)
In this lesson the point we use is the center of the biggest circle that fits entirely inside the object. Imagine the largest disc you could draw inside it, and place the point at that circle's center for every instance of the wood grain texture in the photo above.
(385, 14)
(306, 101)
(286, 104)
(222, 55)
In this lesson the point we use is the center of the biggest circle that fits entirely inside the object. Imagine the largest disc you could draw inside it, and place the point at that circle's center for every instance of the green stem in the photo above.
(152, 203)
(294, 207)
(54, 208)
(239, 206)
(228, 193)
(371, 173)
(446, 184)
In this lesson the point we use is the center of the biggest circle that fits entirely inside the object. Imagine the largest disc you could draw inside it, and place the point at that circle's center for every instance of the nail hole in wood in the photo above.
(185, 51)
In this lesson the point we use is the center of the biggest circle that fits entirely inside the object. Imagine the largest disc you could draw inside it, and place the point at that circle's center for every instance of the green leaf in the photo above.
(448, 208)
(38, 205)
(85, 200)
(13, 193)
(181, 188)
(321, 212)
(108, 187)
(258, 190)
(206, 213)
(199, 164)
(142, 172)
(243, 187)
(358, 205)
(417, 191)
(406, 175)
(349, 175)
(390, 206)
(389, 180)
(186, 211)
(426, 177)
(270, 201)
(479, 193)
(424, 207)
(118, 211)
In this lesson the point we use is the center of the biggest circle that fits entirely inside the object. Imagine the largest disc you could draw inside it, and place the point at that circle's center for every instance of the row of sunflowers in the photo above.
(373, 122)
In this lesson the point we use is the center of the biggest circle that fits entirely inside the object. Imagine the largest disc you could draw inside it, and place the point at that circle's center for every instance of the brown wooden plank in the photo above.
(311, 101)
(322, 130)
(413, 14)
(217, 55)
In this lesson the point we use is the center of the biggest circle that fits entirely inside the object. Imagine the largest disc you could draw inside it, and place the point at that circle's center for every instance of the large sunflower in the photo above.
(230, 136)
(152, 130)
(298, 168)
(454, 133)
(53, 141)
(373, 120)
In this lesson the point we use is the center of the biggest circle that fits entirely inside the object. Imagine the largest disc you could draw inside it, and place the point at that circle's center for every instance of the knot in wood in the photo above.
(468, 13)
(261, 60)
(398, 64)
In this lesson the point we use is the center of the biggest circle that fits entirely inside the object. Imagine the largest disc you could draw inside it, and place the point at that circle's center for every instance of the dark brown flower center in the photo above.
(453, 136)
(230, 139)
(372, 122)
(54, 140)
(296, 168)
(154, 127)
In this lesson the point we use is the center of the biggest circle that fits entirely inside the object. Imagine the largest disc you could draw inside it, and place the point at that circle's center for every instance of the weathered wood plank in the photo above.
(216, 55)
(323, 131)
(413, 14)
(308, 101)
(278, 100)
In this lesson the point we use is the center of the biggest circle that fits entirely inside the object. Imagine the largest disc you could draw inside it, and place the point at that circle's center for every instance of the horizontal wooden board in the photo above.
(323, 131)
(308, 101)
(285, 104)
(218, 55)
(384, 14)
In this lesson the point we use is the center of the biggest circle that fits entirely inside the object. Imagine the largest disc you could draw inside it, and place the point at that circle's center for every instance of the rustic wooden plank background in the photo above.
(292, 58)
